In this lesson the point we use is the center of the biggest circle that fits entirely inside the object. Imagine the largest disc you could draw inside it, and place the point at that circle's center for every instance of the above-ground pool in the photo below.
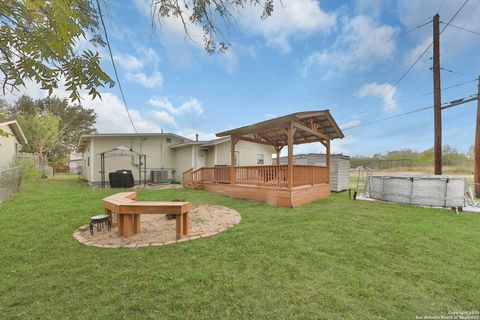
(434, 191)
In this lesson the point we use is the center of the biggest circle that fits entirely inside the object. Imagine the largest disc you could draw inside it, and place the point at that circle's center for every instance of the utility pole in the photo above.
(437, 96)
(476, 148)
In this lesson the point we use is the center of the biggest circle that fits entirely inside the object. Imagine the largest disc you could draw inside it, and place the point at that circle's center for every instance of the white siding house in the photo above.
(9, 142)
(164, 151)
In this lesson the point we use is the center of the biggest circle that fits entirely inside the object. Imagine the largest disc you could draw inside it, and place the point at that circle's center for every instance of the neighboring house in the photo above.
(75, 162)
(10, 144)
(164, 152)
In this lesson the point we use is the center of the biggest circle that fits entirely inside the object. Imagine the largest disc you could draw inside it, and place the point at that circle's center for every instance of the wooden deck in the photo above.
(266, 183)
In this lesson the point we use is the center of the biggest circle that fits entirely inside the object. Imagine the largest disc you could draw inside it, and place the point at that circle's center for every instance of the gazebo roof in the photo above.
(311, 126)
(120, 151)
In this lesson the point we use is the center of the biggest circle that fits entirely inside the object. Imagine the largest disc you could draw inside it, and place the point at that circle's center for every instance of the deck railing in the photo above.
(273, 176)
(187, 177)
(263, 176)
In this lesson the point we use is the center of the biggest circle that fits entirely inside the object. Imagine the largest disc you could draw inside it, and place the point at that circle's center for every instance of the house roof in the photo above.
(215, 142)
(201, 143)
(82, 143)
(17, 130)
(186, 144)
(310, 126)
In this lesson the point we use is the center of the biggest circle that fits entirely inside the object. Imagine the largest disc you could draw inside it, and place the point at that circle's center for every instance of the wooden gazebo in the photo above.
(283, 185)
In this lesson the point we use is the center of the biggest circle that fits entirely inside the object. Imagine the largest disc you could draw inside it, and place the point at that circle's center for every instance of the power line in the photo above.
(421, 95)
(464, 29)
(446, 105)
(456, 72)
(451, 19)
(421, 55)
(114, 67)
(450, 45)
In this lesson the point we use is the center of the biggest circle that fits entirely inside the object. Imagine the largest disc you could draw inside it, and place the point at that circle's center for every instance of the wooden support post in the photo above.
(120, 224)
(185, 223)
(278, 149)
(233, 141)
(327, 156)
(437, 97)
(127, 225)
(136, 223)
(179, 229)
(476, 156)
(290, 133)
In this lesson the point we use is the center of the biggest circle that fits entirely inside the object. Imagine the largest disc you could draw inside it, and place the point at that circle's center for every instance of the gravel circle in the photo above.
(157, 230)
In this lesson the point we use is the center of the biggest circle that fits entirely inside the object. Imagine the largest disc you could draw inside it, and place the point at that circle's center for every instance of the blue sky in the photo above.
(338, 55)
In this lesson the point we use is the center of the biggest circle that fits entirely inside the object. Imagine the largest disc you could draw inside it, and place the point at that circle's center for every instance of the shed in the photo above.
(339, 167)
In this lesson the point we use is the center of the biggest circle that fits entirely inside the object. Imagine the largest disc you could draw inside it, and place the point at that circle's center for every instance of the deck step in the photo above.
(192, 186)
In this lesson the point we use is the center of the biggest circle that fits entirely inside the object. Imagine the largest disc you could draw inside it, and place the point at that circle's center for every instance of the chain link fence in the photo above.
(9, 182)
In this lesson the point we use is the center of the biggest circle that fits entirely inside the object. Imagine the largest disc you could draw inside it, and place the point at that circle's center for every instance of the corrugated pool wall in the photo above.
(434, 191)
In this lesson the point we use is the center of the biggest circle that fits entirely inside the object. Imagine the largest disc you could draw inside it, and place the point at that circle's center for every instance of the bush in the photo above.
(29, 170)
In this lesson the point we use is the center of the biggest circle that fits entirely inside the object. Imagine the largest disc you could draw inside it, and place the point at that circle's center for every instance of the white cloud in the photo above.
(202, 135)
(128, 62)
(173, 26)
(152, 81)
(454, 42)
(337, 146)
(349, 124)
(289, 18)
(112, 117)
(192, 106)
(182, 49)
(369, 7)
(135, 67)
(361, 43)
(230, 60)
(413, 54)
(343, 146)
(385, 91)
(162, 117)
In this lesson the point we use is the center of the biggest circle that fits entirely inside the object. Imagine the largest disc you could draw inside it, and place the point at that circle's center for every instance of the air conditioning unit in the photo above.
(159, 176)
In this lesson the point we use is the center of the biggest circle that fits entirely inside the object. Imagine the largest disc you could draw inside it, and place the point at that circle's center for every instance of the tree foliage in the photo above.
(450, 157)
(41, 131)
(206, 14)
(74, 120)
(41, 40)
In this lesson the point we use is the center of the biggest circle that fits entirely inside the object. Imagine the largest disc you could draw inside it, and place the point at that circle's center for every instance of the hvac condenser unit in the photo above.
(159, 176)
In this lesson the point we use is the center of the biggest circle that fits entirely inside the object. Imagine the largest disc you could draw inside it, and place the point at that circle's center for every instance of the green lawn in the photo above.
(332, 259)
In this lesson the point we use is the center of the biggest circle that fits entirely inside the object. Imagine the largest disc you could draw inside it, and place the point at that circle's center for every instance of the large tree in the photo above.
(74, 120)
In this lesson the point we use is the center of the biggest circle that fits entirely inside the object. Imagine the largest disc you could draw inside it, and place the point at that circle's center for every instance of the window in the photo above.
(88, 161)
(260, 158)
(237, 158)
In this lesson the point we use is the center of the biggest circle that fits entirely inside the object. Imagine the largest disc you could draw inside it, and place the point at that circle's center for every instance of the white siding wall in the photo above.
(8, 151)
(157, 149)
(183, 160)
(161, 156)
(210, 157)
(248, 152)
(85, 168)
